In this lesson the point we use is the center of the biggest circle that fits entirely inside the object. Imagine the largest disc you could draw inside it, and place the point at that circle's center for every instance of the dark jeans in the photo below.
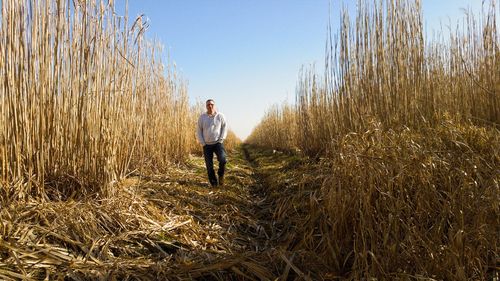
(208, 153)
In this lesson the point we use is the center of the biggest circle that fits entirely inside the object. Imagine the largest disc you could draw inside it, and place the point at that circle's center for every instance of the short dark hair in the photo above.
(209, 100)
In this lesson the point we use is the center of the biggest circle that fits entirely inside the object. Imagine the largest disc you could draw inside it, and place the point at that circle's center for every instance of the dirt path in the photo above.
(224, 232)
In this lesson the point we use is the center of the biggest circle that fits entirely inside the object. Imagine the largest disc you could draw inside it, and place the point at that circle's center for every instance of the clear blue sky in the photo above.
(246, 54)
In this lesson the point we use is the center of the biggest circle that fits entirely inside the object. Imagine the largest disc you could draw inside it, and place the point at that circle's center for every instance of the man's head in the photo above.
(210, 104)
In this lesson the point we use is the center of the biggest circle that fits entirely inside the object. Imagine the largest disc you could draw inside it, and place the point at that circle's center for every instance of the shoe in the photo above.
(221, 181)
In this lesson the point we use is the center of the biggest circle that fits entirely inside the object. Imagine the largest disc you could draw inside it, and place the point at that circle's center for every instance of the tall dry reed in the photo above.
(409, 129)
(382, 68)
(277, 128)
(84, 98)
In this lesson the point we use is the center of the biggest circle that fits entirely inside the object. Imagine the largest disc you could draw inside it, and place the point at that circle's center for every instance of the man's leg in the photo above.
(208, 153)
(220, 152)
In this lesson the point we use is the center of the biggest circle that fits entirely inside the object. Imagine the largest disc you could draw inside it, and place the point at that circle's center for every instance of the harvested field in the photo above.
(273, 220)
(168, 227)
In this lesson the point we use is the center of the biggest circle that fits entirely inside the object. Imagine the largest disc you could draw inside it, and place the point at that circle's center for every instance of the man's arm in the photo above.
(223, 129)
(199, 131)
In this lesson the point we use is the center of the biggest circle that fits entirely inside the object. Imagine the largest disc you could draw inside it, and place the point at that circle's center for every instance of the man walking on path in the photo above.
(211, 132)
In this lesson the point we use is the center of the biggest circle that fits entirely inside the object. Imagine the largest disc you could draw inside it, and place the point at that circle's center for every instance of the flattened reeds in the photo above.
(155, 228)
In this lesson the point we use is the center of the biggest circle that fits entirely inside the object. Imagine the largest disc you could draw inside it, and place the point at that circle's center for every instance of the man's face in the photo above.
(210, 107)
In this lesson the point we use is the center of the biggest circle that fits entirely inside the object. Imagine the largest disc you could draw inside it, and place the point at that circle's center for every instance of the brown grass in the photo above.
(85, 102)
(391, 205)
(85, 98)
(405, 131)
(382, 69)
(157, 227)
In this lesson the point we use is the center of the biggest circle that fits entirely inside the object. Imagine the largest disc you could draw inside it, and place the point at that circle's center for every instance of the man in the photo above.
(211, 132)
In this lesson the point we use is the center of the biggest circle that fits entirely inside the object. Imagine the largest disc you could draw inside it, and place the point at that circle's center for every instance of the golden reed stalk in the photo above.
(407, 133)
(84, 98)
